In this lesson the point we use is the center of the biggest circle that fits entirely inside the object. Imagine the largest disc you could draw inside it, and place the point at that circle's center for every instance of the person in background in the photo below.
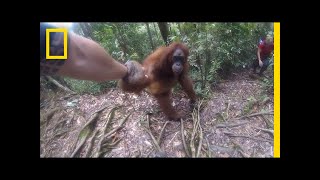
(264, 51)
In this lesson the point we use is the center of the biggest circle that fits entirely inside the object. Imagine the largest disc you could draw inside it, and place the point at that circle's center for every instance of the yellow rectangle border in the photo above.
(65, 43)
(276, 90)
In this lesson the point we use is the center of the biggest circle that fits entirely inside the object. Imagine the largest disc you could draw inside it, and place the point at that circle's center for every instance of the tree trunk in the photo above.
(77, 29)
(198, 61)
(164, 32)
(208, 60)
(121, 40)
(150, 37)
(180, 30)
(87, 30)
(157, 33)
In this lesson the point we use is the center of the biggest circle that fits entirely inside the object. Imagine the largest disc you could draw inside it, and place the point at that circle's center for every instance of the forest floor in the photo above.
(236, 121)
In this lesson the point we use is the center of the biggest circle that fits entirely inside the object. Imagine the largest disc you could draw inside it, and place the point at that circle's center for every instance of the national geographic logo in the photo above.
(58, 49)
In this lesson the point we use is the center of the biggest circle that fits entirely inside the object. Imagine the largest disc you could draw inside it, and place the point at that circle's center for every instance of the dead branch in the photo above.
(238, 148)
(267, 121)
(150, 152)
(243, 153)
(183, 140)
(154, 141)
(231, 125)
(67, 96)
(244, 136)
(148, 130)
(199, 126)
(223, 149)
(129, 100)
(265, 130)
(161, 132)
(173, 137)
(192, 145)
(228, 110)
(60, 133)
(208, 151)
(59, 85)
(237, 145)
(101, 109)
(254, 114)
(195, 133)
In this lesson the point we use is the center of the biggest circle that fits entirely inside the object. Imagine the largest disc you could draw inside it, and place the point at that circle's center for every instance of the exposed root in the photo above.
(119, 126)
(265, 130)
(254, 114)
(161, 133)
(243, 153)
(146, 127)
(244, 136)
(267, 121)
(85, 131)
(49, 115)
(183, 140)
(103, 145)
(231, 125)
(196, 133)
(208, 147)
(200, 141)
(91, 140)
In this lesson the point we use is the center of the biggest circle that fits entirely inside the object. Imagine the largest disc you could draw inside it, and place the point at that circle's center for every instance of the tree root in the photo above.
(200, 141)
(118, 127)
(196, 133)
(85, 131)
(267, 121)
(91, 140)
(103, 145)
(184, 141)
(254, 114)
(265, 130)
(231, 125)
(161, 133)
(244, 136)
(155, 143)
(243, 153)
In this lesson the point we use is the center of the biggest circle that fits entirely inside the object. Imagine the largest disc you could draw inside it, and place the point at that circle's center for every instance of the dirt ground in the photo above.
(236, 121)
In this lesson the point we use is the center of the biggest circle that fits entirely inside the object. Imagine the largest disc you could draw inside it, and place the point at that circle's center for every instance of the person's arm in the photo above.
(89, 61)
(86, 59)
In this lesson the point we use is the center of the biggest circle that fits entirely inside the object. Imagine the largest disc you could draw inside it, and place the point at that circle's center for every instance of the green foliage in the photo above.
(216, 49)
(252, 101)
(268, 83)
(237, 44)
(82, 86)
(126, 40)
